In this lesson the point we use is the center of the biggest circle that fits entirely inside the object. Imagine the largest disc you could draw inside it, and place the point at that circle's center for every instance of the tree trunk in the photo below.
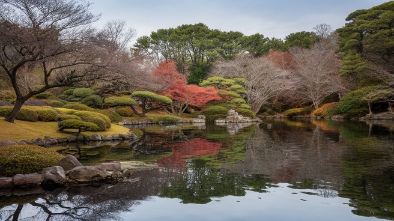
(17, 107)
(136, 112)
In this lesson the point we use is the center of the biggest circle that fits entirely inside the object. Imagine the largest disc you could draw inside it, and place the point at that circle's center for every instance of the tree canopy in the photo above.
(369, 32)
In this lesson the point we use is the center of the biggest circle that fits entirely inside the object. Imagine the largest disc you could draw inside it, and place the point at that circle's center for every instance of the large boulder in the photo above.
(5, 182)
(84, 174)
(33, 179)
(54, 175)
(69, 162)
(110, 166)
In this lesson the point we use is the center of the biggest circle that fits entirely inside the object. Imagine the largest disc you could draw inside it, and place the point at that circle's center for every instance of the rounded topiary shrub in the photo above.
(102, 121)
(118, 101)
(214, 112)
(245, 112)
(298, 112)
(78, 106)
(23, 114)
(44, 95)
(63, 117)
(23, 159)
(82, 92)
(78, 124)
(47, 114)
(124, 111)
(92, 101)
(112, 115)
(56, 103)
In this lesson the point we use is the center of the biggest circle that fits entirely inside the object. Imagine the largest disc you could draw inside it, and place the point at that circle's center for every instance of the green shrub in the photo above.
(238, 101)
(112, 115)
(119, 101)
(353, 104)
(78, 124)
(44, 95)
(124, 111)
(23, 159)
(214, 112)
(78, 106)
(46, 114)
(102, 121)
(27, 115)
(92, 101)
(82, 92)
(68, 92)
(245, 112)
(63, 117)
(56, 103)
(228, 95)
(297, 111)
(7, 95)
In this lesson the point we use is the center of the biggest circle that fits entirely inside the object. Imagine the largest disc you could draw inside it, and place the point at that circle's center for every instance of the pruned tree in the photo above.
(263, 80)
(316, 70)
(149, 101)
(46, 41)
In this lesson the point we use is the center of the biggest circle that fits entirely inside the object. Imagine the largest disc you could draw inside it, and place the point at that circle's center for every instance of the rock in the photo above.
(72, 139)
(5, 182)
(69, 162)
(62, 140)
(95, 137)
(107, 138)
(116, 137)
(39, 142)
(50, 141)
(33, 179)
(110, 166)
(54, 175)
(7, 142)
(83, 174)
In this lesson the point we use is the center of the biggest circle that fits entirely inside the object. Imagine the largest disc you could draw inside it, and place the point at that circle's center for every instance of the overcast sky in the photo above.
(272, 18)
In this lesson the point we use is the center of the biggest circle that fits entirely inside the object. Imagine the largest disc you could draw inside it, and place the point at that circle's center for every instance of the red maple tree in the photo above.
(182, 94)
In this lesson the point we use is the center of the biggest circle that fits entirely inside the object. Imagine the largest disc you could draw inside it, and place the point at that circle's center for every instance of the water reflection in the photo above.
(342, 168)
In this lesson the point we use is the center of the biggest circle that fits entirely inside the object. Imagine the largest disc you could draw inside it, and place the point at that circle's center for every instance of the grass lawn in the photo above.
(24, 130)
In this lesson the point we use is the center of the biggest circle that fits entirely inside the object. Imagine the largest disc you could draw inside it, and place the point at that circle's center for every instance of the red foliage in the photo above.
(178, 90)
(166, 73)
(281, 59)
(194, 147)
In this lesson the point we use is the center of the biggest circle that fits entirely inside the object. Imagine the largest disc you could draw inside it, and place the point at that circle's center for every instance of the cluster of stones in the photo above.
(50, 141)
(68, 172)
(234, 117)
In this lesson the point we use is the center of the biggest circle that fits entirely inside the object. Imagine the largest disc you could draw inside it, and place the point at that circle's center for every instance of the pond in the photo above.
(277, 170)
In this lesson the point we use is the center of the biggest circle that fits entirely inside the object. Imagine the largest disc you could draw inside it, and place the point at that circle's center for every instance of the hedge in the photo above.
(23, 159)
(78, 106)
(82, 92)
(92, 101)
(78, 124)
(119, 101)
(124, 111)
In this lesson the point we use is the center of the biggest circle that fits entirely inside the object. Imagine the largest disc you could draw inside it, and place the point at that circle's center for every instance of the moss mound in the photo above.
(23, 159)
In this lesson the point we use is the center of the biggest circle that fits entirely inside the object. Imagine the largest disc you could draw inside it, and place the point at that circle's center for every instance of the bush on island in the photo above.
(23, 159)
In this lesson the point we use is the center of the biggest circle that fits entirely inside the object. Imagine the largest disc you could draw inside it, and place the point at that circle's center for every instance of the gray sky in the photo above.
(272, 18)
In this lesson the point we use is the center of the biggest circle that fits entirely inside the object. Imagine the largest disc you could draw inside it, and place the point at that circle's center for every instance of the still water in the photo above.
(278, 170)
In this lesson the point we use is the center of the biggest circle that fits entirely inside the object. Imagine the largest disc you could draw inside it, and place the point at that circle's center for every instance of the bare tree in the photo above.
(317, 72)
(263, 79)
(47, 41)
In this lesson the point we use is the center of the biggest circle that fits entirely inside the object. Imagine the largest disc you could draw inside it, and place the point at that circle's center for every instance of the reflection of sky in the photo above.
(280, 203)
